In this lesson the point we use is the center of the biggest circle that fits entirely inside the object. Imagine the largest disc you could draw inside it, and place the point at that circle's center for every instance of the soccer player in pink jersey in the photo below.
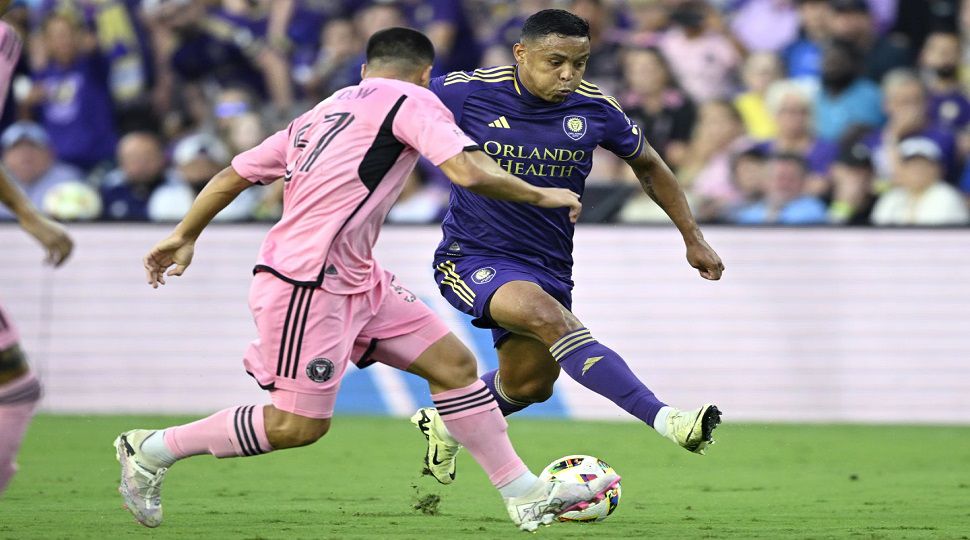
(19, 388)
(320, 299)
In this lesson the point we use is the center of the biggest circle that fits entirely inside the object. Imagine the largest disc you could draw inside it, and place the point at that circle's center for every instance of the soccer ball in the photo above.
(579, 469)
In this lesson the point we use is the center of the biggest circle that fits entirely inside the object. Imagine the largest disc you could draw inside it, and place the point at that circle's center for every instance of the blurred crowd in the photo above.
(848, 112)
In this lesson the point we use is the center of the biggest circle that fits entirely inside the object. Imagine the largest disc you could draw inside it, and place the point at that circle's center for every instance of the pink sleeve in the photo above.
(265, 163)
(425, 124)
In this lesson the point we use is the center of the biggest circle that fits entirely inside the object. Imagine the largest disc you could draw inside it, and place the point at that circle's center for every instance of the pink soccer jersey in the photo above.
(344, 164)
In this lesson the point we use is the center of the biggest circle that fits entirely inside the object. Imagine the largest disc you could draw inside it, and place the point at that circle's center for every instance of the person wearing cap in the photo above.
(30, 161)
(142, 171)
(784, 201)
(906, 105)
(198, 158)
(920, 197)
(852, 186)
(852, 21)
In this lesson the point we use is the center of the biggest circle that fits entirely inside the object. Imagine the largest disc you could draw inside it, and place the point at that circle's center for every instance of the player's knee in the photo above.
(547, 321)
(531, 391)
(459, 371)
(291, 431)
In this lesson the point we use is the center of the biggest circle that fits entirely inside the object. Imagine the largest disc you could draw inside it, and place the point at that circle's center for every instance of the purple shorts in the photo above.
(469, 282)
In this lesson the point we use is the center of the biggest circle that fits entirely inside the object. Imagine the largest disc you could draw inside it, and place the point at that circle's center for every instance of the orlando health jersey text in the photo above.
(546, 144)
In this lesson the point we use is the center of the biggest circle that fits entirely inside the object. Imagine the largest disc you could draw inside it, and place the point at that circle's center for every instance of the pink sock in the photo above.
(237, 431)
(473, 418)
(18, 398)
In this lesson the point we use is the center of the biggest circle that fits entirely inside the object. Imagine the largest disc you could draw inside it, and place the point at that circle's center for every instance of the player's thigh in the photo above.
(407, 335)
(524, 308)
(526, 367)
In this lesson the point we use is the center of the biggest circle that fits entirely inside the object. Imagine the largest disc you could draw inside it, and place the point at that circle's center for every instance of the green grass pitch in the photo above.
(363, 479)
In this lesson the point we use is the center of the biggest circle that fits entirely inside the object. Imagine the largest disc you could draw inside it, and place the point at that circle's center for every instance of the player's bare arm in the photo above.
(661, 185)
(57, 243)
(179, 247)
(476, 171)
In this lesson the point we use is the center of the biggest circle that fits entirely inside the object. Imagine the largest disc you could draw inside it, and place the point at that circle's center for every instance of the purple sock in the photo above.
(598, 368)
(506, 405)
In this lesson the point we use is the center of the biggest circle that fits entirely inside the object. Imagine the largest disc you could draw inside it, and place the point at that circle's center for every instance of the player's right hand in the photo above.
(560, 198)
(52, 236)
(174, 250)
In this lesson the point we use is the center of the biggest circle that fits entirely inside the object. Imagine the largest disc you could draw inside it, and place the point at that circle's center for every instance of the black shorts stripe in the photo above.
(299, 341)
(286, 325)
(292, 338)
(365, 359)
(29, 393)
(444, 408)
(252, 430)
(440, 402)
(239, 433)
(469, 406)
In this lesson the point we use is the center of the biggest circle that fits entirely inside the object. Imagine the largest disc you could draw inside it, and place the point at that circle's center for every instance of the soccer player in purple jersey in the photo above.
(510, 265)
(321, 301)
(19, 388)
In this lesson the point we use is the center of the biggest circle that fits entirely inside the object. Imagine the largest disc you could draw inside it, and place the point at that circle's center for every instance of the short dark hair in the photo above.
(554, 21)
(400, 45)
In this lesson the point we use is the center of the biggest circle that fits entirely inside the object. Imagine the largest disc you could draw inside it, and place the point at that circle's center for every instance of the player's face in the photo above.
(553, 66)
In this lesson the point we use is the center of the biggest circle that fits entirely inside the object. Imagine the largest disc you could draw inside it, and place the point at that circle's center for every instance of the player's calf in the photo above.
(18, 399)
(288, 430)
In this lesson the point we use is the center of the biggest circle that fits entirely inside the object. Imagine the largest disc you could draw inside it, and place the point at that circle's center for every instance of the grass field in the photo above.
(362, 481)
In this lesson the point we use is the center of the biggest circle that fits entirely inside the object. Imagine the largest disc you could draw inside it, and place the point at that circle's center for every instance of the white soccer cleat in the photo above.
(141, 488)
(556, 498)
(441, 458)
(694, 430)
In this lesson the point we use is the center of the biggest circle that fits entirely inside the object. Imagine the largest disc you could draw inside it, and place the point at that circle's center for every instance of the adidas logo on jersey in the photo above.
(501, 122)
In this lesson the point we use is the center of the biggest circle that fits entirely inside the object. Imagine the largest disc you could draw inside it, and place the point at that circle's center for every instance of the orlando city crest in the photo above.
(574, 126)
(483, 275)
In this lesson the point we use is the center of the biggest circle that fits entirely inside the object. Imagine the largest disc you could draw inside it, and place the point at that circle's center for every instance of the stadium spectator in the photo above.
(765, 25)
(334, 67)
(749, 171)
(702, 55)
(791, 105)
(940, 69)
(28, 158)
(650, 20)
(853, 22)
(706, 169)
(784, 201)
(852, 186)
(655, 101)
(921, 196)
(508, 30)
(845, 99)
(803, 58)
(760, 70)
(71, 90)
(198, 158)
(905, 103)
(447, 24)
(127, 191)
(603, 65)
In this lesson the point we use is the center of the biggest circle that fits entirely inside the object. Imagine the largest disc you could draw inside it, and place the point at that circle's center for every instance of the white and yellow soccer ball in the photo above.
(579, 469)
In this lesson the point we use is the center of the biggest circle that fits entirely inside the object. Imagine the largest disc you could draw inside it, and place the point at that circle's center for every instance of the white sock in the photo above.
(523, 485)
(660, 421)
(153, 449)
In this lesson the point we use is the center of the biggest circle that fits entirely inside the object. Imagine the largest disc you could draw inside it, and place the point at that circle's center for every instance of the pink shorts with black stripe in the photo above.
(307, 335)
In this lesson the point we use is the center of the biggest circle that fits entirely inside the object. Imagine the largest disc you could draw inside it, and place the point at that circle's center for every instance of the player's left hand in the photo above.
(703, 257)
(174, 250)
(52, 236)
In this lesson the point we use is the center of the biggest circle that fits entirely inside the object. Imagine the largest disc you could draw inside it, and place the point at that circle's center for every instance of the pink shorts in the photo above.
(8, 332)
(307, 335)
